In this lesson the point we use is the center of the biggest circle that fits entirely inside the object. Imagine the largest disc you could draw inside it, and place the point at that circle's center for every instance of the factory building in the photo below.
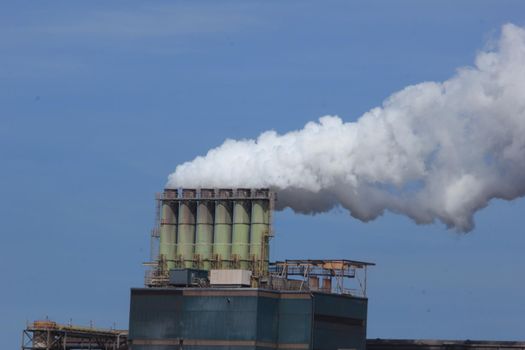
(212, 286)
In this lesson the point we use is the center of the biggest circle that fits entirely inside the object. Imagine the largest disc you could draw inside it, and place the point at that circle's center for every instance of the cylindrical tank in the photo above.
(260, 226)
(186, 228)
(222, 236)
(241, 228)
(168, 229)
(204, 231)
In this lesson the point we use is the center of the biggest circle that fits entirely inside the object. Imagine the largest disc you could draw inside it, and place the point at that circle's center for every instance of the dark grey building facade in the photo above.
(245, 318)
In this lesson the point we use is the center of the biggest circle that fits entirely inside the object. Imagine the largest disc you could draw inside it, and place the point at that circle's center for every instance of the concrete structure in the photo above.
(245, 318)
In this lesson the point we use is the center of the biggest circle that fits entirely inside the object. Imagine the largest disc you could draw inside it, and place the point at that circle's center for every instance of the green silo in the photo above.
(260, 227)
(168, 228)
(241, 229)
(204, 231)
(222, 235)
(186, 228)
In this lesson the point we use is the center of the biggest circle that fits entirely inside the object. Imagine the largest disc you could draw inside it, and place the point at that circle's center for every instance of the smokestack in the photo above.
(204, 231)
(186, 238)
(168, 228)
(260, 228)
(222, 236)
(432, 151)
(216, 229)
(241, 228)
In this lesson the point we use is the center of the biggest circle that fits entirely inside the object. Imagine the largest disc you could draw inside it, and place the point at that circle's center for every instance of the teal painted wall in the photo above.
(155, 314)
(227, 318)
(166, 314)
(322, 321)
(295, 318)
(268, 319)
(339, 322)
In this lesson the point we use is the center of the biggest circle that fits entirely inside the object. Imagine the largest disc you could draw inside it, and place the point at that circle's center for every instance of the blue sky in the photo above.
(99, 101)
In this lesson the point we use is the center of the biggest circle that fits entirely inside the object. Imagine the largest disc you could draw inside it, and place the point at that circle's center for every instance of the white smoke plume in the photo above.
(435, 150)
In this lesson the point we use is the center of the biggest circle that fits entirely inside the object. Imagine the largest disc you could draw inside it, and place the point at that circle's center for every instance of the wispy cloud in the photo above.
(43, 43)
(151, 21)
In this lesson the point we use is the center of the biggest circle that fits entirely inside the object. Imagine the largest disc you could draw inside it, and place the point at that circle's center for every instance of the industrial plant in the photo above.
(210, 284)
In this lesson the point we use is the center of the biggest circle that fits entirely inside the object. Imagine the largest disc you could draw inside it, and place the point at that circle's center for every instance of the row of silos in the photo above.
(215, 228)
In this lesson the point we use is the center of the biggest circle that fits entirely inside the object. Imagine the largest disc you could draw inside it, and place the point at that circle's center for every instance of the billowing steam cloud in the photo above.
(432, 151)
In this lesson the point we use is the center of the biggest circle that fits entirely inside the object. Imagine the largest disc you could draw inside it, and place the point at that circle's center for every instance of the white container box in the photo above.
(230, 277)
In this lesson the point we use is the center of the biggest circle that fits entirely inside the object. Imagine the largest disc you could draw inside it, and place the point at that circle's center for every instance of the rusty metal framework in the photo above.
(306, 275)
(49, 335)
